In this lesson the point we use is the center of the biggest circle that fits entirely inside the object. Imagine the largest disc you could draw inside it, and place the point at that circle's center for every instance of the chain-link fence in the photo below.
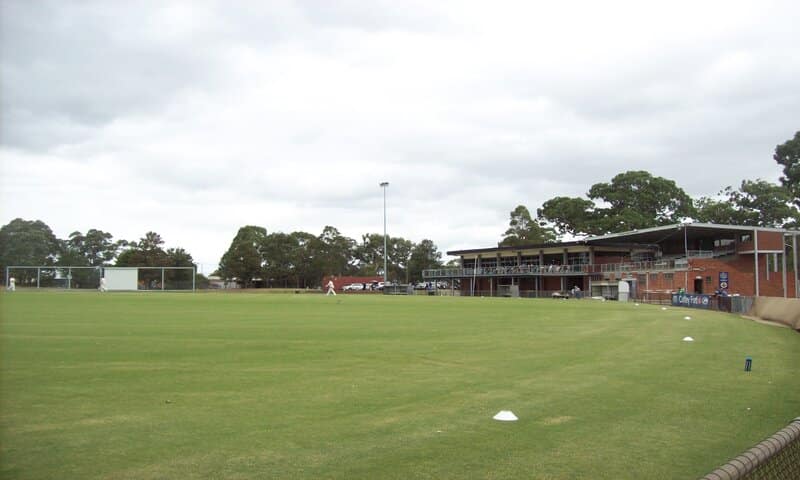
(776, 458)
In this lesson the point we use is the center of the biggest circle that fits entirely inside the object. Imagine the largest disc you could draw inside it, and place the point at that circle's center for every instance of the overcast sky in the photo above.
(195, 118)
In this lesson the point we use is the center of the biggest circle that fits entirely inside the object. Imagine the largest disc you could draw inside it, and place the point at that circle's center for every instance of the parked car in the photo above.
(353, 287)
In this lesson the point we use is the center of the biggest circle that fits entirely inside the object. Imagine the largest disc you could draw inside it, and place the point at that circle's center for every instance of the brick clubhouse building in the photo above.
(700, 258)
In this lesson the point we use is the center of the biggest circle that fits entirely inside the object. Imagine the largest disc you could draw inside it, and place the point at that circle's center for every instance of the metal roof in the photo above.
(642, 237)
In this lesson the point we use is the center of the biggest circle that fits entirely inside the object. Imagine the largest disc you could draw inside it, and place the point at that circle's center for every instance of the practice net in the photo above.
(91, 278)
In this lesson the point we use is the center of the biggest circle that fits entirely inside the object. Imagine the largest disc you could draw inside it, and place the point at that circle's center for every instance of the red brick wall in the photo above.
(741, 278)
(770, 241)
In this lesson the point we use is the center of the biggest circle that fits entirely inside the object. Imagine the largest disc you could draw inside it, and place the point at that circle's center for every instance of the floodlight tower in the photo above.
(383, 186)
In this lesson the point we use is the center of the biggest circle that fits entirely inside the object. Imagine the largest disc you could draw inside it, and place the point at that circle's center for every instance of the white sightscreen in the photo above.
(121, 278)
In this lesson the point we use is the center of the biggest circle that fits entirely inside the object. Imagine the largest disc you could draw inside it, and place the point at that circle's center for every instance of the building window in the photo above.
(641, 278)
(508, 261)
(578, 258)
(708, 280)
(653, 277)
(668, 277)
(746, 237)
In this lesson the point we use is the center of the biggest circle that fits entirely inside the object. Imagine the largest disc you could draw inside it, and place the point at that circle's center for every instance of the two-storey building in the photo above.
(696, 257)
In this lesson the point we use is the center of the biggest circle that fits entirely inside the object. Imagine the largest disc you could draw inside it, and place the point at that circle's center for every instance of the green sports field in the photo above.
(146, 386)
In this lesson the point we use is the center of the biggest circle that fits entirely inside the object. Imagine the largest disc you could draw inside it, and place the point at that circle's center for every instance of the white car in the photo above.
(353, 287)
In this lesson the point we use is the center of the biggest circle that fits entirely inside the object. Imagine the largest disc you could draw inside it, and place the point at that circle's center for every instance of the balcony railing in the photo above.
(557, 270)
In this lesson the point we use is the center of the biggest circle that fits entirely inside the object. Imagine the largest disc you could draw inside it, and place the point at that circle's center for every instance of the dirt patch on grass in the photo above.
(557, 420)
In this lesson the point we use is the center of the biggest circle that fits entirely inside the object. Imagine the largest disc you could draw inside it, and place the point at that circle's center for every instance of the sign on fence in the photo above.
(691, 300)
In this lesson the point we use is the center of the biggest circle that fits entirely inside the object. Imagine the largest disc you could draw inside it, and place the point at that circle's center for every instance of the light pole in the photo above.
(384, 185)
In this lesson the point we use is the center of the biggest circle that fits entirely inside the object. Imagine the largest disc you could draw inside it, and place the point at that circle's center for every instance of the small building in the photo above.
(697, 257)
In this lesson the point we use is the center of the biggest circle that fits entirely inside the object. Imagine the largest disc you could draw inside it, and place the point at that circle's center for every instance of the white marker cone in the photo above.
(687, 318)
(663, 308)
(688, 339)
(506, 416)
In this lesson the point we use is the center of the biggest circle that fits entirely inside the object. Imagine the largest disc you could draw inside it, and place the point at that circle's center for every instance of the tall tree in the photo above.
(634, 199)
(788, 155)
(755, 203)
(96, 246)
(640, 200)
(568, 215)
(424, 255)
(27, 242)
(337, 252)
(147, 252)
(369, 254)
(306, 259)
(522, 230)
(399, 256)
(278, 259)
(244, 259)
(178, 257)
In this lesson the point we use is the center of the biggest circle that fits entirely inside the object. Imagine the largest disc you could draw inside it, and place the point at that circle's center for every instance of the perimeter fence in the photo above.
(776, 458)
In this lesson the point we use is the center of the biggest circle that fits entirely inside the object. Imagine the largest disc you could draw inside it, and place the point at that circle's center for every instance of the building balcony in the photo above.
(671, 265)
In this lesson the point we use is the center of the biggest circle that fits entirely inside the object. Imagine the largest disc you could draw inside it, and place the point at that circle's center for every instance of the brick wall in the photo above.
(770, 241)
(740, 275)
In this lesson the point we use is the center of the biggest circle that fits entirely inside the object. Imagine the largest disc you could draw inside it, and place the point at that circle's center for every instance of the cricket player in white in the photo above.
(102, 287)
(12, 284)
(331, 291)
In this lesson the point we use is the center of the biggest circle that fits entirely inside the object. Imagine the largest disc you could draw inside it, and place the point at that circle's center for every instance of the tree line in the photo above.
(33, 243)
(301, 259)
(637, 199)
(296, 260)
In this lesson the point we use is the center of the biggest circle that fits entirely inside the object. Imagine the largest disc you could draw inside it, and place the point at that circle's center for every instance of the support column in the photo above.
(686, 252)
(783, 266)
(794, 257)
(755, 259)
